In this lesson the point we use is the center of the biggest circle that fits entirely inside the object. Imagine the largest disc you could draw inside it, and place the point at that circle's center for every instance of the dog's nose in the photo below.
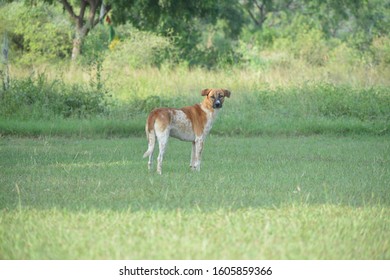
(217, 104)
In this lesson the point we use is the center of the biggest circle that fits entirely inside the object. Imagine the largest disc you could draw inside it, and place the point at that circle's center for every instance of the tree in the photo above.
(182, 20)
(175, 18)
(82, 25)
(259, 10)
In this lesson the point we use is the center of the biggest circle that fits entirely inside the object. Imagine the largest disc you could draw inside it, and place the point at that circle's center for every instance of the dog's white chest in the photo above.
(211, 116)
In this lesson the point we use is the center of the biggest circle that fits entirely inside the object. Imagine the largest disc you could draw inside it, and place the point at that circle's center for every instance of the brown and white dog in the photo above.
(191, 123)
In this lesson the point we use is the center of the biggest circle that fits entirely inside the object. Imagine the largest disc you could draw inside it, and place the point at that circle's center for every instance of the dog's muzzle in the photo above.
(217, 104)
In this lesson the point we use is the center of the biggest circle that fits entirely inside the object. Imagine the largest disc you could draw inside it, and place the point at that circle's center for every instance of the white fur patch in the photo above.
(181, 127)
(211, 116)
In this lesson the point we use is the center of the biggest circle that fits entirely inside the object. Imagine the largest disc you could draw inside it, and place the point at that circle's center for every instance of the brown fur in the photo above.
(197, 117)
(161, 114)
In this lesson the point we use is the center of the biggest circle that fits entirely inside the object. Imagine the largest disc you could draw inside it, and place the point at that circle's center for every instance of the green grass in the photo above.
(321, 197)
(85, 128)
(297, 232)
(301, 110)
(236, 173)
(226, 125)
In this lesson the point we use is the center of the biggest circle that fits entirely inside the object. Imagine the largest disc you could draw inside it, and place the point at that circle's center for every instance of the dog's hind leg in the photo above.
(151, 136)
(162, 138)
(150, 161)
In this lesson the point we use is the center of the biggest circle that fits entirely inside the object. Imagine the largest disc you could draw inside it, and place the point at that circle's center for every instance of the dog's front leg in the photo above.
(198, 154)
(193, 152)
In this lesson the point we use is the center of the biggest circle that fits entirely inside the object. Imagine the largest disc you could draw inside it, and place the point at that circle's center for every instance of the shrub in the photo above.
(37, 32)
(308, 45)
(380, 49)
(37, 98)
(138, 49)
(345, 101)
(95, 44)
(343, 55)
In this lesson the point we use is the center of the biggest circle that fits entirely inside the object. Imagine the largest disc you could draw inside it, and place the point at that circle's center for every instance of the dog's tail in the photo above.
(150, 135)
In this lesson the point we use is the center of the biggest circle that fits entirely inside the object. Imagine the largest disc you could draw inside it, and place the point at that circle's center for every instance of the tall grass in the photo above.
(41, 107)
(278, 99)
(35, 97)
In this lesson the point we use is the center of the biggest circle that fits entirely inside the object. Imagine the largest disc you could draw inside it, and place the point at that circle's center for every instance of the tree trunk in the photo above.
(80, 34)
(84, 26)
(76, 51)
(4, 73)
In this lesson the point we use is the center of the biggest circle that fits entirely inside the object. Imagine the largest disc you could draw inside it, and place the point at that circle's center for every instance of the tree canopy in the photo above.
(200, 32)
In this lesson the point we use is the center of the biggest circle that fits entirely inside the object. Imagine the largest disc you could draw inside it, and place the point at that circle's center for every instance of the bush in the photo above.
(364, 104)
(37, 32)
(95, 45)
(343, 55)
(137, 49)
(380, 49)
(38, 98)
(325, 100)
(307, 44)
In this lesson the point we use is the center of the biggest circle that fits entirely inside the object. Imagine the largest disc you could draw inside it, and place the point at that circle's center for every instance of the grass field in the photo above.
(272, 197)
(297, 165)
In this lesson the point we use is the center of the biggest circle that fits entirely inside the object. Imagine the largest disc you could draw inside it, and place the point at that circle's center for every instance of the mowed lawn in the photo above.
(315, 197)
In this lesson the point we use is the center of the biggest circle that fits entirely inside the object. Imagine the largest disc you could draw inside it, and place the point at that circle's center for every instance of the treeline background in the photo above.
(300, 66)
(209, 33)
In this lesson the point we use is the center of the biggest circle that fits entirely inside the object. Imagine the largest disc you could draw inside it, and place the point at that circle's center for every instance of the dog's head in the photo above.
(216, 97)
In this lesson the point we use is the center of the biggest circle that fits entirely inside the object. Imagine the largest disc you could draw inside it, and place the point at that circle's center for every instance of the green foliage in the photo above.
(369, 20)
(380, 49)
(343, 55)
(140, 67)
(312, 30)
(364, 104)
(209, 34)
(149, 103)
(326, 100)
(37, 33)
(184, 22)
(301, 110)
(36, 97)
(317, 109)
(215, 49)
(138, 49)
(308, 45)
(95, 45)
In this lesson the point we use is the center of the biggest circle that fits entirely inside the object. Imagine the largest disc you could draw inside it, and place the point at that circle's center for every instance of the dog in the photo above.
(191, 123)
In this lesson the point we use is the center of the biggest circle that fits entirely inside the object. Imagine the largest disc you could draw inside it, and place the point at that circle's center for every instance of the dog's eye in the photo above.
(212, 97)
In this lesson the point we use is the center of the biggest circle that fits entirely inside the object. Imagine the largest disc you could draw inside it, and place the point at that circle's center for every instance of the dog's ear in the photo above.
(226, 92)
(206, 91)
